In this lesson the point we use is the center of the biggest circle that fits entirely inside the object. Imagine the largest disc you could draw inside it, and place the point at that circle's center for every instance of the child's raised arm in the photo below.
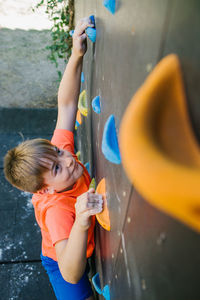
(69, 88)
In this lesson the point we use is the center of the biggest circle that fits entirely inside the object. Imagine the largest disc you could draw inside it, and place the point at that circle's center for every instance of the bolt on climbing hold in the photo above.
(110, 5)
(82, 103)
(96, 105)
(110, 147)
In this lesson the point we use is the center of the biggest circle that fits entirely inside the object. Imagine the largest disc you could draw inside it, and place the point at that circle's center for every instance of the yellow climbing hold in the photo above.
(93, 184)
(78, 154)
(82, 103)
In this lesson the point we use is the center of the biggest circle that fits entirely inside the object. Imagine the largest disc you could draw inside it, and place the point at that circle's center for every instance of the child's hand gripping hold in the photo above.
(80, 37)
(87, 205)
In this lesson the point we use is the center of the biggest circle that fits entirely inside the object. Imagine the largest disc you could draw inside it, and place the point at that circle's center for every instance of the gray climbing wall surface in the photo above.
(147, 254)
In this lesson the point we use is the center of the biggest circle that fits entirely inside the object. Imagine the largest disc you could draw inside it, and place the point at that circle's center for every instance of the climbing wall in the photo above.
(147, 254)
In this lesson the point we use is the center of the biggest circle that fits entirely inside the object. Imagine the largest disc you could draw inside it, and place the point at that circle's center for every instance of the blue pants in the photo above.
(63, 289)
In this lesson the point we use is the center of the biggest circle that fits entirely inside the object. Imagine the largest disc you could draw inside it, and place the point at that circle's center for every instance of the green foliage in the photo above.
(61, 13)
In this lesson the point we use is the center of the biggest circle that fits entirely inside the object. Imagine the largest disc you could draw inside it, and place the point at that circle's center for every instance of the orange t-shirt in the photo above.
(55, 213)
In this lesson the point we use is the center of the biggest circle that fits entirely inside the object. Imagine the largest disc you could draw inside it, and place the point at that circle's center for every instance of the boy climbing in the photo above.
(64, 207)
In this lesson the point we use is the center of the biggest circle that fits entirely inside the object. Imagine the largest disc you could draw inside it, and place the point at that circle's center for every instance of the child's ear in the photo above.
(47, 190)
(50, 190)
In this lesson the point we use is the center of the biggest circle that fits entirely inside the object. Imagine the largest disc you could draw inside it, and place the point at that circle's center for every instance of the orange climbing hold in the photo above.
(78, 117)
(159, 151)
(103, 217)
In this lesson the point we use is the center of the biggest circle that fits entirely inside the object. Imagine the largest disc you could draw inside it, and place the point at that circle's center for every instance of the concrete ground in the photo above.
(27, 77)
(22, 276)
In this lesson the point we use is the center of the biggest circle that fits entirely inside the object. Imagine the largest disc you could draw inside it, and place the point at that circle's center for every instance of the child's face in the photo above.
(63, 173)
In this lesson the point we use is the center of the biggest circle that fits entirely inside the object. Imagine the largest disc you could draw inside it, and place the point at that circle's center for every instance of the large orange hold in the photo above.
(103, 217)
(160, 153)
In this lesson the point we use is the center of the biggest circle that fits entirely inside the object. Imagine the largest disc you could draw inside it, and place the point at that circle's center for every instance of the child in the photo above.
(64, 207)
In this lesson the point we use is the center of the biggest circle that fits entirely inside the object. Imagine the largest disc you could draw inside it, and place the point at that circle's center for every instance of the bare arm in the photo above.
(69, 88)
(71, 253)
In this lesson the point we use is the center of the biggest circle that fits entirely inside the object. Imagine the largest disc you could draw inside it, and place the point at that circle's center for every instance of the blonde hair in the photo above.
(25, 164)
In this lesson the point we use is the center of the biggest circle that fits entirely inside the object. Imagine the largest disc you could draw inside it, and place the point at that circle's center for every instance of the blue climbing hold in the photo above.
(110, 147)
(92, 20)
(87, 166)
(71, 32)
(82, 77)
(91, 33)
(96, 105)
(96, 282)
(77, 124)
(110, 5)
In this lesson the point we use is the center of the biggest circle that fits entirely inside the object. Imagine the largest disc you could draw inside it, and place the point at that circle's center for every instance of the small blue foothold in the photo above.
(77, 124)
(110, 147)
(82, 77)
(71, 32)
(110, 5)
(106, 290)
(87, 166)
(96, 105)
(91, 33)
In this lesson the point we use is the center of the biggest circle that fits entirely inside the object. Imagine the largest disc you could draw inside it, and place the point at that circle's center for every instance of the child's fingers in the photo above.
(83, 36)
(95, 204)
(94, 211)
(94, 201)
(79, 30)
(91, 190)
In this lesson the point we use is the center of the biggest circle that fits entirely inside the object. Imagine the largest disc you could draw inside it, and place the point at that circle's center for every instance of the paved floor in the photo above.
(21, 276)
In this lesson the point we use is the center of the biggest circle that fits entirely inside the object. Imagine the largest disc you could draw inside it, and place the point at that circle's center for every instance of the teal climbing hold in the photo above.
(110, 5)
(91, 33)
(77, 124)
(87, 166)
(110, 147)
(92, 20)
(106, 290)
(82, 77)
(96, 105)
